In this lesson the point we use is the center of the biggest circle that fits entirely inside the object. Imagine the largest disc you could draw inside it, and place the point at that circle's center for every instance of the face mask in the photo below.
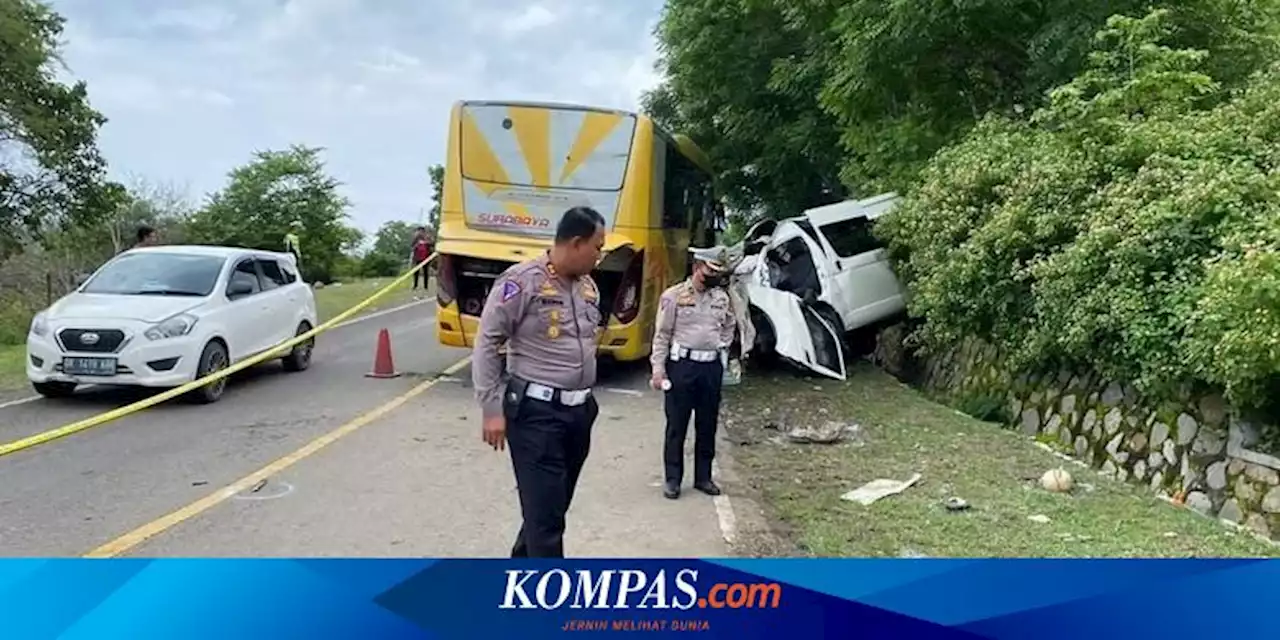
(714, 281)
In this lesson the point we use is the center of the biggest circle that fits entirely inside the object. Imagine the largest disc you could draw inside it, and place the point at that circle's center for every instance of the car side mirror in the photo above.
(239, 289)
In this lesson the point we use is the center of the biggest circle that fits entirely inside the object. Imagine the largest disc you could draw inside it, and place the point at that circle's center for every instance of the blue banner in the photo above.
(1004, 599)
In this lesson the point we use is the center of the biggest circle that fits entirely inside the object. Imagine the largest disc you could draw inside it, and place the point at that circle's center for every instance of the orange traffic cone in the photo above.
(383, 365)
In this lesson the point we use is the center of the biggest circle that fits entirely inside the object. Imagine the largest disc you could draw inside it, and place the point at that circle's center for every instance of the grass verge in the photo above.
(330, 301)
(995, 470)
(13, 374)
(335, 298)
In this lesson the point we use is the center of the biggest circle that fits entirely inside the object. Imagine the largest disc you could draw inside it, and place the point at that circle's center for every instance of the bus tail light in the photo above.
(626, 304)
(446, 284)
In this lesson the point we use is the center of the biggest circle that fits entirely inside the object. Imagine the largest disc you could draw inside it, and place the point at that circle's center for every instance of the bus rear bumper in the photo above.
(623, 343)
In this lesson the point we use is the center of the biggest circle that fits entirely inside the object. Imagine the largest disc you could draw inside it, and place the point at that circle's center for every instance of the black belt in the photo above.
(520, 388)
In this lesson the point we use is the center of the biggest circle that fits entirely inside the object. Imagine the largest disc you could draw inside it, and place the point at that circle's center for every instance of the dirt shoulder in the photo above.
(797, 488)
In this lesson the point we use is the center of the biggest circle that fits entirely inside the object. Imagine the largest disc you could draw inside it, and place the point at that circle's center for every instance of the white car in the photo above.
(813, 278)
(165, 316)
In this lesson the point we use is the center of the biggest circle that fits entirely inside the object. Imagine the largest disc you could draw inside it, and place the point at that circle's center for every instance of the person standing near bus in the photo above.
(546, 312)
(694, 330)
(419, 251)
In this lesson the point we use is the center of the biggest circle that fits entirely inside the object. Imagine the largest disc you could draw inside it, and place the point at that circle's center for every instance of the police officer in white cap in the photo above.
(694, 330)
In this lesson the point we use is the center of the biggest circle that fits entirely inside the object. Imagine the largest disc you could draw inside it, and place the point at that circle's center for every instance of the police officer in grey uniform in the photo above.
(538, 398)
(694, 330)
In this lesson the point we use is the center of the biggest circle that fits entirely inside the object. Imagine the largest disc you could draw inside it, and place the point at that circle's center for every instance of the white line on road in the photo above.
(379, 314)
(724, 512)
(376, 314)
(625, 392)
(14, 403)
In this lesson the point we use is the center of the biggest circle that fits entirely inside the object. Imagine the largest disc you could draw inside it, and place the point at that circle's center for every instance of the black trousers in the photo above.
(549, 444)
(695, 390)
(421, 273)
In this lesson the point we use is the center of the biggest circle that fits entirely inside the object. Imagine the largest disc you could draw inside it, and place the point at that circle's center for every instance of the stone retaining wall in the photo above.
(1198, 450)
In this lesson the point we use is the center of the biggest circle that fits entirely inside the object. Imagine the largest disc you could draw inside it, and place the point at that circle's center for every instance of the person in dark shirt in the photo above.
(419, 251)
(147, 236)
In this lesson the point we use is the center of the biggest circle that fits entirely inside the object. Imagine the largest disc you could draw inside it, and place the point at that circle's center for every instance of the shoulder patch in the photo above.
(510, 289)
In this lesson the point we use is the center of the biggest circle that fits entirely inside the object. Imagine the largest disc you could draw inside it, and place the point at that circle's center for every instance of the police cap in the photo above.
(714, 257)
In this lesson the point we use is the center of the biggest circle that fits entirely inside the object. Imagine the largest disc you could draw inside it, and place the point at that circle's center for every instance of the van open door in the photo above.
(801, 335)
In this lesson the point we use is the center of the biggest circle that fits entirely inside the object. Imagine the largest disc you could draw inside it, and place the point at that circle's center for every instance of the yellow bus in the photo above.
(513, 168)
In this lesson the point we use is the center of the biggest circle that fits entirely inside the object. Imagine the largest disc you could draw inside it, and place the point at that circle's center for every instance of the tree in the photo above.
(264, 197)
(160, 206)
(909, 78)
(742, 80)
(1130, 228)
(436, 172)
(390, 250)
(803, 102)
(51, 173)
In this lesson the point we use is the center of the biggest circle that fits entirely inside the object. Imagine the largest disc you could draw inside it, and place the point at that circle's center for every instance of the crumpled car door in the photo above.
(801, 335)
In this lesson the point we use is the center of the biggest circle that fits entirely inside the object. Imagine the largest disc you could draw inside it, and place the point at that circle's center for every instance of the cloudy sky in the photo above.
(193, 87)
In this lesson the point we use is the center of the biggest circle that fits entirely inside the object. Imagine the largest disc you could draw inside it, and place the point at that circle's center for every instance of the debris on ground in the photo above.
(908, 552)
(830, 432)
(955, 503)
(879, 488)
(1041, 519)
(1071, 537)
(1057, 481)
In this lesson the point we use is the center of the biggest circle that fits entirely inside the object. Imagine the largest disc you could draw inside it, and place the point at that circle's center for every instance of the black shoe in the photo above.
(708, 487)
(671, 490)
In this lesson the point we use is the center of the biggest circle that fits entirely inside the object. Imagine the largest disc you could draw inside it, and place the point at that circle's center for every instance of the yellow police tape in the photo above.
(277, 351)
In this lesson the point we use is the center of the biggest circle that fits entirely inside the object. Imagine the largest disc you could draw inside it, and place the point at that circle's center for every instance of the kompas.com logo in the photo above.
(631, 588)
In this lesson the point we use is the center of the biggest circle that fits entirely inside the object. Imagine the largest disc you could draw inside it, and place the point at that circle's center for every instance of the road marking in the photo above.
(14, 403)
(625, 392)
(724, 511)
(164, 523)
(378, 314)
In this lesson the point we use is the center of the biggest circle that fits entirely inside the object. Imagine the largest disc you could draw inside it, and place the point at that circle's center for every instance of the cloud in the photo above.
(198, 19)
(534, 16)
(192, 88)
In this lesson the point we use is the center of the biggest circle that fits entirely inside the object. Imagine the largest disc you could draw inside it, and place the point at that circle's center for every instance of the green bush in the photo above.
(377, 264)
(1130, 228)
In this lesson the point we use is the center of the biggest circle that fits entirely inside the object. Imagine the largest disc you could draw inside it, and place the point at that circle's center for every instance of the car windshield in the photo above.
(159, 274)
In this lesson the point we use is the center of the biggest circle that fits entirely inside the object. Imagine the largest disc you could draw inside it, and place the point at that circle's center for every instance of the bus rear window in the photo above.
(545, 147)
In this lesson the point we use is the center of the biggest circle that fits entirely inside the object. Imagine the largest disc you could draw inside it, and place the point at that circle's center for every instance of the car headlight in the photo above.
(179, 325)
(39, 326)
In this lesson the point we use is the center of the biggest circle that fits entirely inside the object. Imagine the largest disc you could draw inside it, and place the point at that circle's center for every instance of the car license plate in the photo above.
(89, 366)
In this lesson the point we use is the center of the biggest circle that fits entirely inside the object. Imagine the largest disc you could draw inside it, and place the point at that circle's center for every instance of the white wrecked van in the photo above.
(813, 278)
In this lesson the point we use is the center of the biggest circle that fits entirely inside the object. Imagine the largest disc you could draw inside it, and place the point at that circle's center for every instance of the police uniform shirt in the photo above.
(691, 319)
(550, 326)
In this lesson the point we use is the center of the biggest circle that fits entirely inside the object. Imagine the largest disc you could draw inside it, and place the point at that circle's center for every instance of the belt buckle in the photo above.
(572, 397)
(540, 392)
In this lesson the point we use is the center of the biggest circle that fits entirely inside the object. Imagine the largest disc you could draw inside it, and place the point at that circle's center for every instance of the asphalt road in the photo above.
(415, 480)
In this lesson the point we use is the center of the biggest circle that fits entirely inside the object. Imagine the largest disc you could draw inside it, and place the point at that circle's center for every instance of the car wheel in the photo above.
(54, 389)
(299, 357)
(214, 358)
